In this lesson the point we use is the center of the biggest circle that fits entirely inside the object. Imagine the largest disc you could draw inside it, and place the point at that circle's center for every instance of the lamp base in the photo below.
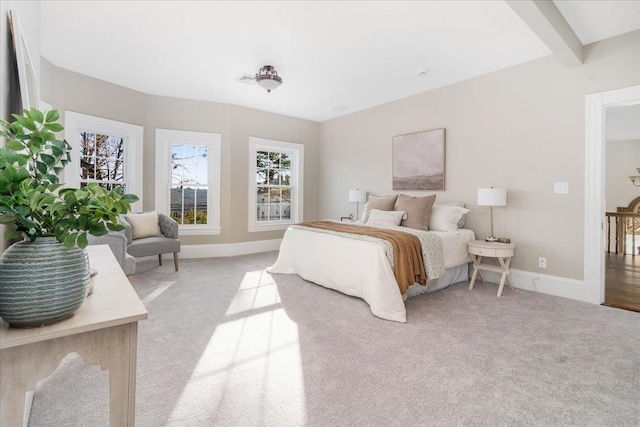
(491, 239)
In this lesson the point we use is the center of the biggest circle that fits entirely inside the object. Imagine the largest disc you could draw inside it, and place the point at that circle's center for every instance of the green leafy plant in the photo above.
(32, 198)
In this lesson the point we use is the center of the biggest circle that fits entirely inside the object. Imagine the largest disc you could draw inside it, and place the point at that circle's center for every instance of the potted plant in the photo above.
(44, 278)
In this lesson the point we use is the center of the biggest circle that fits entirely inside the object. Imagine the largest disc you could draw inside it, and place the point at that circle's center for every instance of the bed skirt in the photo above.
(452, 275)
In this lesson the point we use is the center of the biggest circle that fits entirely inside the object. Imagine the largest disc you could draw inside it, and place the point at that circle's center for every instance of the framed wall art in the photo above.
(419, 160)
(23, 87)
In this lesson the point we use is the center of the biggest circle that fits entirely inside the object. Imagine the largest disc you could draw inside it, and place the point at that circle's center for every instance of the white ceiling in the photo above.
(330, 54)
(594, 20)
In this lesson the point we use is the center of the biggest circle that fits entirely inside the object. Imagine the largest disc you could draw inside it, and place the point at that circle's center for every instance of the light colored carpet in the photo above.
(227, 344)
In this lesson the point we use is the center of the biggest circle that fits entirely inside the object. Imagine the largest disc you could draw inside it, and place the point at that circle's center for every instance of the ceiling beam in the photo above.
(544, 18)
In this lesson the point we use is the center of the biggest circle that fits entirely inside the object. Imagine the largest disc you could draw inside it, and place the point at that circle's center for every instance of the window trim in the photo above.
(133, 135)
(164, 139)
(296, 150)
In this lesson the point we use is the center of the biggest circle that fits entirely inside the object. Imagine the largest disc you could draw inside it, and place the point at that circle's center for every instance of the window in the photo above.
(275, 184)
(102, 160)
(104, 151)
(188, 179)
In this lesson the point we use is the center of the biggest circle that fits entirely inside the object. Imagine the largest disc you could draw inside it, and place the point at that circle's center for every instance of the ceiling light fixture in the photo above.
(268, 78)
(636, 179)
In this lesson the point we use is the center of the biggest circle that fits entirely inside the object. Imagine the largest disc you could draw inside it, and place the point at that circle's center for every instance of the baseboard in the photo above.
(552, 285)
(229, 249)
(531, 281)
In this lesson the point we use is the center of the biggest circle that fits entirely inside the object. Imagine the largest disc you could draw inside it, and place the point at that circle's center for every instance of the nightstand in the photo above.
(503, 251)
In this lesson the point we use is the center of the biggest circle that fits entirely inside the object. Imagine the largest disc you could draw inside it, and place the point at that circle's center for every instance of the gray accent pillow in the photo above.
(418, 210)
(385, 203)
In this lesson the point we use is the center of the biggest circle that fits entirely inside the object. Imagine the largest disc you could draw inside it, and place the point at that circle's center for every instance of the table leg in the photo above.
(115, 357)
(505, 274)
(502, 279)
(111, 348)
(133, 363)
(20, 370)
(476, 262)
(505, 265)
(482, 276)
(13, 398)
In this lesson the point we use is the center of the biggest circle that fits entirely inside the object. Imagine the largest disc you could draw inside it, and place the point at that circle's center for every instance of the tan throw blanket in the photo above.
(407, 250)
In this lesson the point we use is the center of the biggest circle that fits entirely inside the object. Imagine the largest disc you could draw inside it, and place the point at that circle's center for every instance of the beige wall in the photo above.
(520, 128)
(66, 90)
(622, 158)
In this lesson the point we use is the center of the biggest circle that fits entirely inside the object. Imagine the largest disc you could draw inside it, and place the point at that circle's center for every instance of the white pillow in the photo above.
(363, 217)
(378, 218)
(144, 225)
(445, 218)
(461, 204)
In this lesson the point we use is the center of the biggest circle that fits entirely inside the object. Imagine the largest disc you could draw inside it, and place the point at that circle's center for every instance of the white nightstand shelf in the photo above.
(502, 251)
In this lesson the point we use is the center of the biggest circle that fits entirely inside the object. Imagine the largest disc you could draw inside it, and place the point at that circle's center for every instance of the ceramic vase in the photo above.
(42, 282)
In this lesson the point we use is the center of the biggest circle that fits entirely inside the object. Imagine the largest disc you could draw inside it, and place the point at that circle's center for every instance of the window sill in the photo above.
(269, 227)
(198, 231)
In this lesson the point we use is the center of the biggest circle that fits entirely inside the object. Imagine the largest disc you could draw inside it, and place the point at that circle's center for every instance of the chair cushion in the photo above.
(144, 225)
(148, 246)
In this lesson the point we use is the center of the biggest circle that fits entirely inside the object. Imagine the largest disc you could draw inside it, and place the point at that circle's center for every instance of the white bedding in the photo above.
(360, 268)
(454, 246)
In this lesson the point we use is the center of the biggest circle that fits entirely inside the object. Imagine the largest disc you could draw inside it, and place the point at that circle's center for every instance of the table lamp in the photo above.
(357, 196)
(492, 197)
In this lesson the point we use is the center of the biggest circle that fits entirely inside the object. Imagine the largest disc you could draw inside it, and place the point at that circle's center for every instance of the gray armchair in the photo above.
(157, 245)
(118, 244)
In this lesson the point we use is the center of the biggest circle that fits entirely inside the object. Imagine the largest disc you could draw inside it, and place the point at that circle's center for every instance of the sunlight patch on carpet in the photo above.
(155, 294)
(257, 290)
(250, 373)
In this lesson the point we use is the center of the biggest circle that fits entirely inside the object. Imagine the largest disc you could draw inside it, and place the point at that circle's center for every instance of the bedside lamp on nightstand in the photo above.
(357, 196)
(492, 197)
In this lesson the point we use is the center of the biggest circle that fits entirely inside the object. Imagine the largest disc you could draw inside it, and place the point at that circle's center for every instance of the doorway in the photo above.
(622, 204)
(595, 202)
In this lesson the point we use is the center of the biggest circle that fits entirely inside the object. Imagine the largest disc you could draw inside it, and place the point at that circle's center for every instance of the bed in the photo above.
(362, 268)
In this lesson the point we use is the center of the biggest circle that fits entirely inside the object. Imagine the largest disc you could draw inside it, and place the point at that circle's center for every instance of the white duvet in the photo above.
(355, 267)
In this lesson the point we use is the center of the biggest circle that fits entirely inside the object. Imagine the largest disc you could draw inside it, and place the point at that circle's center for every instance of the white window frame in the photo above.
(296, 151)
(75, 123)
(164, 139)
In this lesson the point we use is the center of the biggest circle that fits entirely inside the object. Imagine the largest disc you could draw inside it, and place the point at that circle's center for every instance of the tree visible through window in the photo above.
(275, 184)
(105, 151)
(273, 179)
(189, 183)
(102, 160)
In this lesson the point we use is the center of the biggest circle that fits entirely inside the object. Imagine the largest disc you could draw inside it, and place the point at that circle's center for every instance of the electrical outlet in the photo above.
(542, 262)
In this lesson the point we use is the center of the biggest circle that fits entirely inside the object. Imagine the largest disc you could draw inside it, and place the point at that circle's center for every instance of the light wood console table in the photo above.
(103, 332)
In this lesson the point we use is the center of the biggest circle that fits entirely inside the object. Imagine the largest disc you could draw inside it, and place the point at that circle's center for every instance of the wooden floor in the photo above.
(622, 281)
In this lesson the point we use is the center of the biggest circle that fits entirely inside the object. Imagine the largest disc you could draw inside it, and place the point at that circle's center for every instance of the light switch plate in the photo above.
(561, 187)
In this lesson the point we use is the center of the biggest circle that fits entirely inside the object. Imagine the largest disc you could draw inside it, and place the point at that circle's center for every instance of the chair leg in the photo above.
(175, 260)
(160, 259)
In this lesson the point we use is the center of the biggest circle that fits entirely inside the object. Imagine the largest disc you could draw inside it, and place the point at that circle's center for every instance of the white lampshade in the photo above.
(492, 197)
(357, 196)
